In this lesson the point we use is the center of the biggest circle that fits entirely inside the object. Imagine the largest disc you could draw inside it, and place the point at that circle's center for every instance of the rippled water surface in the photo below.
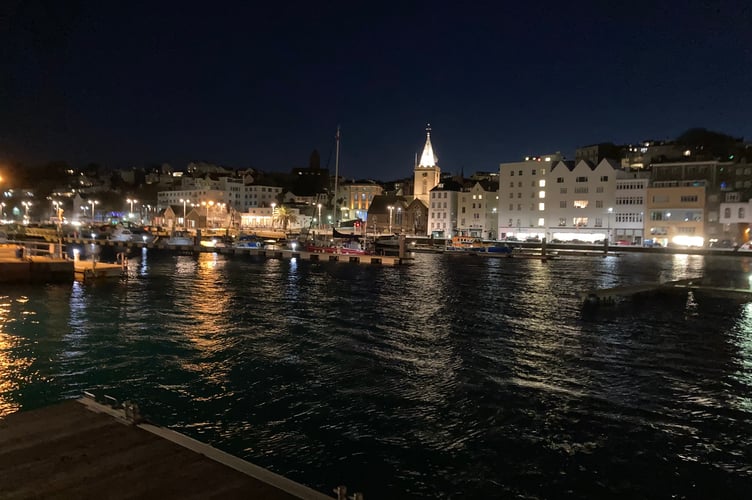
(455, 377)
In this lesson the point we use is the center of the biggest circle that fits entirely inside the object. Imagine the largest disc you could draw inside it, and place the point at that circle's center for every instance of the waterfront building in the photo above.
(478, 210)
(629, 208)
(386, 214)
(522, 196)
(735, 211)
(580, 200)
(356, 198)
(416, 217)
(442, 209)
(715, 176)
(427, 172)
(675, 212)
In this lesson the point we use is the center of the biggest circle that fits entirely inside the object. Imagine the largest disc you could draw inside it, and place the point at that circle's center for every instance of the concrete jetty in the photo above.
(609, 296)
(19, 265)
(86, 449)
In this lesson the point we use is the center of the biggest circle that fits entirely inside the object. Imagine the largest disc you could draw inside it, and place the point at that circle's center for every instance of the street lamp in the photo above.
(399, 218)
(183, 202)
(391, 211)
(610, 210)
(273, 206)
(2, 207)
(27, 205)
(131, 201)
(92, 203)
(319, 206)
(207, 204)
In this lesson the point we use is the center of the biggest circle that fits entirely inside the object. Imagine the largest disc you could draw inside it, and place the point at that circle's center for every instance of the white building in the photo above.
(581, 200)
(522, 196)
(442, 209)
(629, 208)
(478, 210)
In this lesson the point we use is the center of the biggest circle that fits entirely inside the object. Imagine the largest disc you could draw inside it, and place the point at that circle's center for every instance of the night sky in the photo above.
(261, 85)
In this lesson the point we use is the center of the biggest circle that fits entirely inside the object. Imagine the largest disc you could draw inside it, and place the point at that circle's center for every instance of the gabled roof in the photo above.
(381, 203)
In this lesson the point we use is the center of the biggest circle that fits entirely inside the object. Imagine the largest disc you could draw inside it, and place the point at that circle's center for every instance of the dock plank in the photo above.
(69, 451)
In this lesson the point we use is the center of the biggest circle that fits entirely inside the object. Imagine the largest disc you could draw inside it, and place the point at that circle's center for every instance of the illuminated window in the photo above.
(542, 183)
(541, 207)
(580, 203)
(541, 222)
(541, 194)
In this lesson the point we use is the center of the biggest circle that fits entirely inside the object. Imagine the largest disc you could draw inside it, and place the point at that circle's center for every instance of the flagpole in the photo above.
(336, 179)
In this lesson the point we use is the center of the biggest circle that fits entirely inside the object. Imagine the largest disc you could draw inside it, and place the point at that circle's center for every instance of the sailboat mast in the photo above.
(336, 179)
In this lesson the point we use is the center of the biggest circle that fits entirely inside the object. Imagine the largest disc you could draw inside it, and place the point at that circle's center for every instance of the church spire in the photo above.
(428, 159)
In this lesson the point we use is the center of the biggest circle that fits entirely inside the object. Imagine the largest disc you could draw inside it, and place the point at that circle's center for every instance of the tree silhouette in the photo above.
(710, 144)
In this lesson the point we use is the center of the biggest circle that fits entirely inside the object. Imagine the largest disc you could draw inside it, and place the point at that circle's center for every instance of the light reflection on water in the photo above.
(452, 377)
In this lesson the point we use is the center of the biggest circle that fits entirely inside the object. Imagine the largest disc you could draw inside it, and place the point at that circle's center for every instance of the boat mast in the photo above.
(336, 179)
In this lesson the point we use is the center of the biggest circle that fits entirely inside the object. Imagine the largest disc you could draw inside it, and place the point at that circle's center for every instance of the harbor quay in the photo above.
(89, 448)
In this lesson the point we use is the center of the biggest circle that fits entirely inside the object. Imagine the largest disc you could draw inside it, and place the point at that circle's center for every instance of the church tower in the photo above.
(427, 171)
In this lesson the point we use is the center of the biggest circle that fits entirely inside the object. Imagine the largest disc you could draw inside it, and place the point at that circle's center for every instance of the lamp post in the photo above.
(399, 218)
(319, 205)
(610, 211)
(391, 211)
(92, 203)
(131, 201)
(183, 202)
(221, 208)
(2, 207)
(273, 207)
(207, 204)
(27, 205)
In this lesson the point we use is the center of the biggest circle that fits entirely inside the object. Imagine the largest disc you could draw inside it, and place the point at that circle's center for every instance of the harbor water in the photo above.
(453, 377)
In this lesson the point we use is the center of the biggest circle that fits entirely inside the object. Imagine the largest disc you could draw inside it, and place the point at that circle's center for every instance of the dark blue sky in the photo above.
(258, 85)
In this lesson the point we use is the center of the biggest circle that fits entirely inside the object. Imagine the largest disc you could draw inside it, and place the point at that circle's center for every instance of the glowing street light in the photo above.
(207, 204)
(92, 203)
(273, 207)
(610, 211)
(391, 211)
(27, 205)
(131, 201)
(184, 203)
(319, 206)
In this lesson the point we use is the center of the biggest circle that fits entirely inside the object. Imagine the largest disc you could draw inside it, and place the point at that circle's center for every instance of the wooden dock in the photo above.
(85, 449)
